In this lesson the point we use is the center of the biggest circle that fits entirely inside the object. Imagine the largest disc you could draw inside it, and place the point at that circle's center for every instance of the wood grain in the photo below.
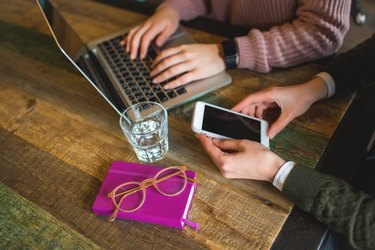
(24, 225)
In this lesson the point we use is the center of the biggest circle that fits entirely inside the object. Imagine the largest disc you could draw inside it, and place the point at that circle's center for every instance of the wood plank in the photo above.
(25, 226)
(37, 176)
(73, 94)
(58, 86)
(41, 109)
(69, 138)
(32, 44)
(58, 136)
(108, 19)
(224, 215)
(23, 13)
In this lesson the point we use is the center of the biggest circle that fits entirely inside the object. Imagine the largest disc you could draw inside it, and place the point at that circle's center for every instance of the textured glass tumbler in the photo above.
(145, 125)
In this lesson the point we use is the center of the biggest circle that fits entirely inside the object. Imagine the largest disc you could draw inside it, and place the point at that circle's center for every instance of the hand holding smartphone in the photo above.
(218, 122)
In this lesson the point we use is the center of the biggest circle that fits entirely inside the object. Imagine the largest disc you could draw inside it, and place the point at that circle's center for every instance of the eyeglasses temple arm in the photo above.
(133, 190)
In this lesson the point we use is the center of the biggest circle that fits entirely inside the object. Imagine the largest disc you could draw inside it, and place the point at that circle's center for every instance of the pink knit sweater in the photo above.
(282, 33)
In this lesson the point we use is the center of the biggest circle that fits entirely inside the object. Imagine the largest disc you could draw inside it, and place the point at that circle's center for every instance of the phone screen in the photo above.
(230, 125)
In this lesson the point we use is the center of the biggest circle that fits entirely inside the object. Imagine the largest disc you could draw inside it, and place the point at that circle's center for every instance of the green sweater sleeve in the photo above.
(335, 203)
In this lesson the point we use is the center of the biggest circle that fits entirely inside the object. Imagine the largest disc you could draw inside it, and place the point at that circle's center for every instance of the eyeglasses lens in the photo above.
(171, 181)
(129, 201)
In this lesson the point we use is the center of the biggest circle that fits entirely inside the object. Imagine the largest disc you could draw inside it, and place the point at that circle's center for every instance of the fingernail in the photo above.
(215, 140)
(272, 134)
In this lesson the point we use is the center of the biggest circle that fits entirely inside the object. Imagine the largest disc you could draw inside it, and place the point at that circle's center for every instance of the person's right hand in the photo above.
(160, 26)
(292, 100)
(242, 159)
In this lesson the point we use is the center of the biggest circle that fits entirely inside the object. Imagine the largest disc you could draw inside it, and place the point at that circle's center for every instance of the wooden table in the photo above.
(58, 137)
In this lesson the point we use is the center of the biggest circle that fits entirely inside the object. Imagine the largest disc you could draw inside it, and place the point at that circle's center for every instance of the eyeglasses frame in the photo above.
(143, 185)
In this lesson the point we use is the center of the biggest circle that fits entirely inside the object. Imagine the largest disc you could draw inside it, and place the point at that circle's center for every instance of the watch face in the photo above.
(230, 54)
(229, 48)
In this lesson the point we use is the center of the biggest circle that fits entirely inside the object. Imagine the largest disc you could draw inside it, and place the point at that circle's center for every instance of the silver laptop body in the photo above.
(123, 82)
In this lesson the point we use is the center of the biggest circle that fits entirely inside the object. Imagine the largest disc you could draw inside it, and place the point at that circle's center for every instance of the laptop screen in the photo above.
(71, 50)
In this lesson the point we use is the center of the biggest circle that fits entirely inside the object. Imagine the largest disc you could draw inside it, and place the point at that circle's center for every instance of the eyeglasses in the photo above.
(170, 181)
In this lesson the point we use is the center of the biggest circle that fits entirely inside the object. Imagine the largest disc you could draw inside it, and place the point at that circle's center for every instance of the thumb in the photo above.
(162, 37)
(279, 125)
(227, 145)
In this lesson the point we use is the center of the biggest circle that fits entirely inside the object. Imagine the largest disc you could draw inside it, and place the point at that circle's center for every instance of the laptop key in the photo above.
(153, 99)
(181, 90)
(134, 75)
(162, 97)
(171, 94)
(146, 106)
(149, 94)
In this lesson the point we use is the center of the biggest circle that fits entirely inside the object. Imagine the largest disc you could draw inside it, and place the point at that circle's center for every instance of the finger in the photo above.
(147, 38)
(173, 71)
(182, 80)
(166, 53)
(249, 110)
(279, 125)
(170, 63)
(160, 40)
(136, 40)
(227, 144)
(215, 153)
(258, 97)
(129, 37)
(259, 111)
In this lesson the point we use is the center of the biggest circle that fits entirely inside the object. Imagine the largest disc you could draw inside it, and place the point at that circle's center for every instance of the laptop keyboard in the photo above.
(134, 75)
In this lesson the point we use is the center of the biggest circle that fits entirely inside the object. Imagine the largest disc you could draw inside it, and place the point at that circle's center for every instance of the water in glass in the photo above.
(149, 139)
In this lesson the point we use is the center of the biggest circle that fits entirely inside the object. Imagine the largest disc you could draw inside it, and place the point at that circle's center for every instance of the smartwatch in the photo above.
(230, 54)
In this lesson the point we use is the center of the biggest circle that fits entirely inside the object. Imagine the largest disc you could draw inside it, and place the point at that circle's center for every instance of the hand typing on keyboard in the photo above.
(187, 63)
(160, 27)
(179, 65)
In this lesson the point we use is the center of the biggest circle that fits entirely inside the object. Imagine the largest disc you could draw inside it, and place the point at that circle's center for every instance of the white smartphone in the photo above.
(218, 122)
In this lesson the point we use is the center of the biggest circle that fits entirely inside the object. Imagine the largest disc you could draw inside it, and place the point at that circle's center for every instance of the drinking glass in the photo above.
(145, 125)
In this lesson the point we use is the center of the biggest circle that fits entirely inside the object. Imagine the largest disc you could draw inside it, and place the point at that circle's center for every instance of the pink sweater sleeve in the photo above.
(317, 31)
(187, 10)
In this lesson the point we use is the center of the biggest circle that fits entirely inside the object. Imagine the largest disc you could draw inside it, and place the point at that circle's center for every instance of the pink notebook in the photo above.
(171, 211)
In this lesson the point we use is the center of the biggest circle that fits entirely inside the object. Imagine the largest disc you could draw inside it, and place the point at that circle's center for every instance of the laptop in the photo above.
(124, 82)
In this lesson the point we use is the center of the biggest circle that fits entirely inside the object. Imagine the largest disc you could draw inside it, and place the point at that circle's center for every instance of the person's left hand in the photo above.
(243, 159)
(188, 63)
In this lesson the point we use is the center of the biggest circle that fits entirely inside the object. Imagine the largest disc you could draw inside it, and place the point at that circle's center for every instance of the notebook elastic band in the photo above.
(192, 224)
